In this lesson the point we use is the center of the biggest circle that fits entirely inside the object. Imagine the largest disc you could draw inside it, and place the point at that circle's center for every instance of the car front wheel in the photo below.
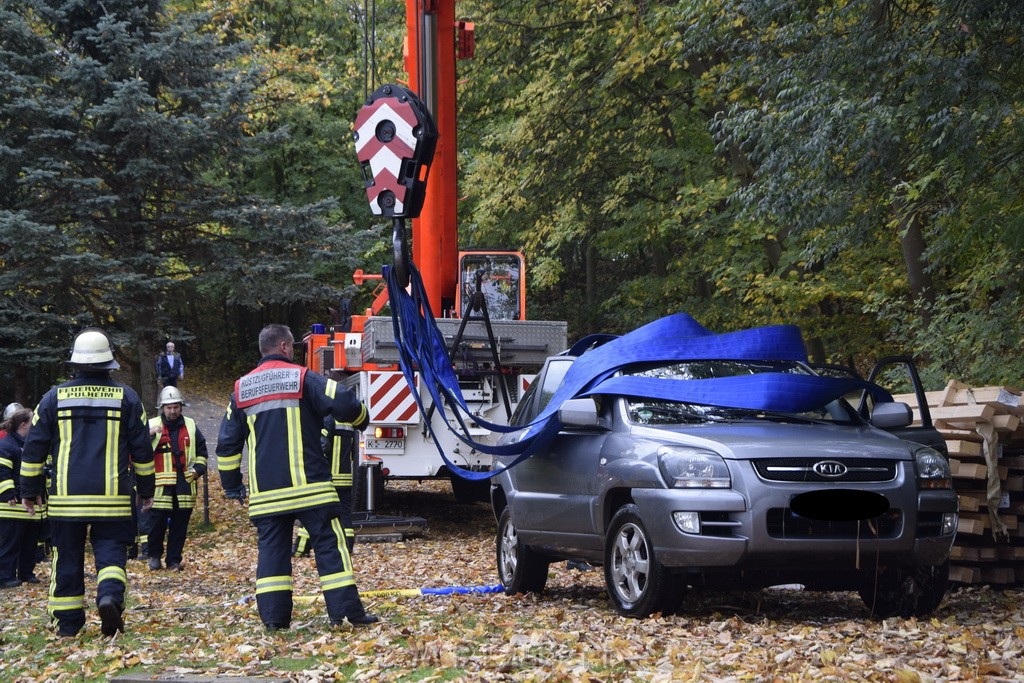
(905, 591)
(520, 569)
(638, 583)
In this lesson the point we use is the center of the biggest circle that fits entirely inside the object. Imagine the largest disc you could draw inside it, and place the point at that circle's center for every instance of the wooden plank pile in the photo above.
(984, 431)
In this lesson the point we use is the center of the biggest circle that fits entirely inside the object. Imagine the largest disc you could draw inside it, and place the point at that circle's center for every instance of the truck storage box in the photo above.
(521, 343)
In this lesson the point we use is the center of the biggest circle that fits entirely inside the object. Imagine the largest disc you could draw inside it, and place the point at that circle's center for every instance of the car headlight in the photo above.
(932, 470)
(693, 468)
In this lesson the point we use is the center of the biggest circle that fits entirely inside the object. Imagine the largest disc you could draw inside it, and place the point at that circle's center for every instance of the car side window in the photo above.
(540, 392)
(553, 379)
(524, 410)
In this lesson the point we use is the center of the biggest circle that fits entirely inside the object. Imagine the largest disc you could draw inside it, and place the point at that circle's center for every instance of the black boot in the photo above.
(110, 616)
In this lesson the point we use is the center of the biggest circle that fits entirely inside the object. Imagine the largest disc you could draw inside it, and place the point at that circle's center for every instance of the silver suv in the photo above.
(668, 495)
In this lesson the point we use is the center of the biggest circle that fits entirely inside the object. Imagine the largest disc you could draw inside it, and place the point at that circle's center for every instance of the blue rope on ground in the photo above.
(409, 592)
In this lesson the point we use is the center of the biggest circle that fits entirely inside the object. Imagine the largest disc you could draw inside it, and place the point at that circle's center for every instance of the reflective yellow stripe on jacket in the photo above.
(89, 506)
(278, 501)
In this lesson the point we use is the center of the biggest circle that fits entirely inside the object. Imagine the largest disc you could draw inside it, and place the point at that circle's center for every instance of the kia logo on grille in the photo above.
(829, 468)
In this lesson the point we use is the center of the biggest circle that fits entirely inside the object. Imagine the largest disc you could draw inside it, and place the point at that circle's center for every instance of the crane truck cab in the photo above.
(495, 353)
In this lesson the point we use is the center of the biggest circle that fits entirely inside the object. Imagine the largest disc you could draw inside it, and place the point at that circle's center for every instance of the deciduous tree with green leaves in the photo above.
(588, 148)
(889, 135)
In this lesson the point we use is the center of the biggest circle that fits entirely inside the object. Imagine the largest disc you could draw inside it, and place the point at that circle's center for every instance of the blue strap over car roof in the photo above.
(780, 392)
(678, 337)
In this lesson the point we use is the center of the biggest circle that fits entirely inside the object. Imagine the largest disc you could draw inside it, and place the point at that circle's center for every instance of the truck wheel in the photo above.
(359, 490)
(638, 584)
(905, 591)
(470, 490)
(520, 569)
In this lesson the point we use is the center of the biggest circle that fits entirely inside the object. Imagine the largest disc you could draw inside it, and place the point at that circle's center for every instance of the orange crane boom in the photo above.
(430, 53)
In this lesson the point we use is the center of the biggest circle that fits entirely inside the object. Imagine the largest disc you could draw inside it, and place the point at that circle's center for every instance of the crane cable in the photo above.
(369, 47)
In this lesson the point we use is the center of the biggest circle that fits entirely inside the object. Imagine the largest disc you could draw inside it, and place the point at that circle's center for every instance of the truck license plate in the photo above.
(385, 444)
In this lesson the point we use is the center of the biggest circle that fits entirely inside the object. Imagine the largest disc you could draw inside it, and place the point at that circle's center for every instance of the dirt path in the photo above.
(207, 415)
(206, 403)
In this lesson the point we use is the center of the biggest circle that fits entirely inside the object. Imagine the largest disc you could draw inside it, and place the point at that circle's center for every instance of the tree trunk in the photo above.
(145, 378)
(912, 242)
(815, 350)
(590, 270)
(21, 388)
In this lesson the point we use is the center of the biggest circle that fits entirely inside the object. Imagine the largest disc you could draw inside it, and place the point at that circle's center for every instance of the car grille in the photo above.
(802, 469)
(783, 523)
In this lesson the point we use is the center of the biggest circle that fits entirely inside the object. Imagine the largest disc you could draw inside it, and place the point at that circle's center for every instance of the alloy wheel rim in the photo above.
(630, 563)
(509, 542)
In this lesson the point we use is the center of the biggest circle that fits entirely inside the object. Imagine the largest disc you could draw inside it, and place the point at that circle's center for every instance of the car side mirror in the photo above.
(580, 413)
(892, 415)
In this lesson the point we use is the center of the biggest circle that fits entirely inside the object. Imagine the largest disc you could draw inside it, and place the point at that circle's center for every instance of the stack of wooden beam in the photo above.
(983, 430)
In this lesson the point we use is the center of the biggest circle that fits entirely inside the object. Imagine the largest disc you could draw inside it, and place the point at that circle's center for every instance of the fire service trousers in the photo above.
(172, 523)
(345, 515)
(333, 564)
(110, 540)
(18, 540)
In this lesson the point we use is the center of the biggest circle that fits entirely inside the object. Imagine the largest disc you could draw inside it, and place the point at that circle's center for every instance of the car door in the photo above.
(895, 374)
(553, 488)
(901, 371)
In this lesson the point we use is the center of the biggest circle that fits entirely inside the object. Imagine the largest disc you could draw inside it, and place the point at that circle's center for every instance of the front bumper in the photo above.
(754, 529)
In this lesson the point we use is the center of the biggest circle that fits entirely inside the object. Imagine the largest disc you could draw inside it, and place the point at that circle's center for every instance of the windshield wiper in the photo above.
(789, 417)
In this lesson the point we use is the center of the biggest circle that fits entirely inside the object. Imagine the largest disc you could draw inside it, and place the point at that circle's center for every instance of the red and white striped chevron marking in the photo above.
(524, 383)
(386, 158)
(391, 401)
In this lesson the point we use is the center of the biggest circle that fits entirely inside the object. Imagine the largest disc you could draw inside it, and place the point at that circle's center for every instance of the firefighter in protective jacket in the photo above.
(179, 455)
(340, 444)
(19, 531)
(276, 411)
(94, 428)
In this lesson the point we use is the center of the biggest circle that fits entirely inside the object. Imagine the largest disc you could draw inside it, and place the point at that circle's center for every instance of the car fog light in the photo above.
(688, 522)
(948, 523)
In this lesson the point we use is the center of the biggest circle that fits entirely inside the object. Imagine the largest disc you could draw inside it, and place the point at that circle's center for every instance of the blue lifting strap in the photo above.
(677, 337)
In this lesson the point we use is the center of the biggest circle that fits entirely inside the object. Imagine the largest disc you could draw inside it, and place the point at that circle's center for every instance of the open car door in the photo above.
(894, 373)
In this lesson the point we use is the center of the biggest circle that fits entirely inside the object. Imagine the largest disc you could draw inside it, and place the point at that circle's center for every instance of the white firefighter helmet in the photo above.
(169, 395)
(11, 409)
(92, 350)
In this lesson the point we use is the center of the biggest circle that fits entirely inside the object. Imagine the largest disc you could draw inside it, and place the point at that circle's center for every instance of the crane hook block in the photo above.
(395, 138)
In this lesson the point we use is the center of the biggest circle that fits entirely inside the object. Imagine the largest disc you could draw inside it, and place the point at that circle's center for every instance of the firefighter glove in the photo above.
(236, 494)
(199, 469)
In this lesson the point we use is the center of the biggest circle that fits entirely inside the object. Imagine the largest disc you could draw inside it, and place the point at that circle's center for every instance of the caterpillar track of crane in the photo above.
(401, 135)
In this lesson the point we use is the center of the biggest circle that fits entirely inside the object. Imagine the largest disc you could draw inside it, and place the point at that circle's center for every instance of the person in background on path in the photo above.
(169, 367)
(94, 427)
(179, 454)
(277, 410)
(8, 413)
(19, 530)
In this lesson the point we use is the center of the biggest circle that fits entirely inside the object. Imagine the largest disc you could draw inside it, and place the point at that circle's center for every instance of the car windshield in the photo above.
(657, 411)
